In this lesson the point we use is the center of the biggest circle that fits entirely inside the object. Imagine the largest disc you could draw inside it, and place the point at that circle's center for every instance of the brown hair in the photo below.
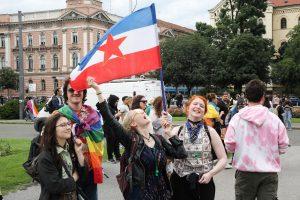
(191, 99)
(136, 102)
(157, 105)
(65, 91)
(211, 96)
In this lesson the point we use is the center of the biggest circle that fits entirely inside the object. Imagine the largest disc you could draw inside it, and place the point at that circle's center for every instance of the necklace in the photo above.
(147, 139)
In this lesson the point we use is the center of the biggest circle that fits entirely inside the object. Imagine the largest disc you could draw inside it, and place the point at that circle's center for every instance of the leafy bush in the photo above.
(5, 148)
(10, 110)
(296, 111)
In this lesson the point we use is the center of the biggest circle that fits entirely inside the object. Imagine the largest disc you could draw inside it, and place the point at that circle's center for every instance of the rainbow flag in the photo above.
(88, 128)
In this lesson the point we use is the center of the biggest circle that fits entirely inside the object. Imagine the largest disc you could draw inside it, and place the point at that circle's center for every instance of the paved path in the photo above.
(289, 183)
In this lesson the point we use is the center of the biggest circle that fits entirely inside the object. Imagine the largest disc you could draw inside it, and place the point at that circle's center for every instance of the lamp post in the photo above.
(21, 70)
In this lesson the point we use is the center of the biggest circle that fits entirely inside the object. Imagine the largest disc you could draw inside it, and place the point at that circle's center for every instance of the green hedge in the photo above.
(10, 110)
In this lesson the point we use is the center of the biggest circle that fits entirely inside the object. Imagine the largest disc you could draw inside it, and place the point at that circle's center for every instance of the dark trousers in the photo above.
(112, 147)
(181, 189)
(90, 191)
(252, 185)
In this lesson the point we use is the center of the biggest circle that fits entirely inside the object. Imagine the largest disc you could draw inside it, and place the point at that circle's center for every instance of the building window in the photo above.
(30, 81)
(2, 42)
(29, 40)
(55, 62)
(43, 39)
(17, 41)
(55, 84)
(74, 38)
(74, 60)
(43, 66)
(17, 64)
(283, 24)
(2, 62)
(55, 38)
(30, 63)
(98, 36)
(43, 85)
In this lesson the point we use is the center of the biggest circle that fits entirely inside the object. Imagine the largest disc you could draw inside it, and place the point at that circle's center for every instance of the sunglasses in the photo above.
(71, 90)
(143, 101)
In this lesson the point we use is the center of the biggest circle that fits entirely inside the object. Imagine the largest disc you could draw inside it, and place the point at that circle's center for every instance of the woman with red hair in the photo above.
(193, 177)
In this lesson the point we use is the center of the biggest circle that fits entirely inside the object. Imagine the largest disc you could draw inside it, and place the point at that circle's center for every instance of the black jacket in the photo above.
(173, 150)
(52, 183)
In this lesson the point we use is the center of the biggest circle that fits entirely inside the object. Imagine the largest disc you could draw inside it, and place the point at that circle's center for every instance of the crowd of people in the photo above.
(161, 161)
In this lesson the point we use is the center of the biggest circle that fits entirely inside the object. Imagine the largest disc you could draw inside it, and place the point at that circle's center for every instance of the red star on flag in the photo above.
(111, 47)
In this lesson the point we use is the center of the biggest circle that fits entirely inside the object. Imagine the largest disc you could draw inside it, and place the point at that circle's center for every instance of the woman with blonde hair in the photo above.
(193, 177)
(149, 178)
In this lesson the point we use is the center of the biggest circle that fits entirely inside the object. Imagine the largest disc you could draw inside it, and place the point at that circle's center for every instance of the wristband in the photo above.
(97, 93)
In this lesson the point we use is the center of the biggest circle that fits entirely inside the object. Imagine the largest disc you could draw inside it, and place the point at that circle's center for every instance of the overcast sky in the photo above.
(182, 12)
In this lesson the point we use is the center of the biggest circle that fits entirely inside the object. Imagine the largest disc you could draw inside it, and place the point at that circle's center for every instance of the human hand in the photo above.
(75, 176)
(166, 124)
(78, 145)
(92, 84)
(205, 179)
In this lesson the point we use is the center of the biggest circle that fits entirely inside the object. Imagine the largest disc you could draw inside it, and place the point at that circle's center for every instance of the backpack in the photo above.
(31, 168)
(214, 156)
(30, 165)
(124, 179)
(49, 106)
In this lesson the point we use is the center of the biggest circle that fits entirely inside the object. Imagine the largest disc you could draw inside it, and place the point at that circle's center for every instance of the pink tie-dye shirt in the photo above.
(257, 137)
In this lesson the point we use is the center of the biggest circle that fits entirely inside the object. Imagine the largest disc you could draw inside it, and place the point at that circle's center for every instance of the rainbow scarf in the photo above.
(87, 127)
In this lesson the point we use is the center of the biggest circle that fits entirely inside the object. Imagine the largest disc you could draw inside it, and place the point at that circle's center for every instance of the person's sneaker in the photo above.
(228, 166)
(112, 161)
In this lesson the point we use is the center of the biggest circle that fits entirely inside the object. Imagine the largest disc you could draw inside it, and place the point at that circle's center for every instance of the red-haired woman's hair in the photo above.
(191, 99)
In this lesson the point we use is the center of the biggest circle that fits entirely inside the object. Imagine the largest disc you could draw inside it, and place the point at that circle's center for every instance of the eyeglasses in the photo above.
(143, 101)
(63, 125)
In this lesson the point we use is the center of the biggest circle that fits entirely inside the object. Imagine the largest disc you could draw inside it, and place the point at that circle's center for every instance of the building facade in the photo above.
(280, 18)
(54, 41)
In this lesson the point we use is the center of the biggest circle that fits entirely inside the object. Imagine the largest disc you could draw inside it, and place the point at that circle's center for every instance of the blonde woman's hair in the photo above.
(128, 120)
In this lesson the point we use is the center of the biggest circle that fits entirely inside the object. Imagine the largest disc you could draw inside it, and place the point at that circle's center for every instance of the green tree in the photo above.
(188, 60)
(241, 16)
(8, 79)
(248, 57)
(287, 70)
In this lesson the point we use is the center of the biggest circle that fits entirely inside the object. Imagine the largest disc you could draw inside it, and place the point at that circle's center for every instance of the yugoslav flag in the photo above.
(130, 47)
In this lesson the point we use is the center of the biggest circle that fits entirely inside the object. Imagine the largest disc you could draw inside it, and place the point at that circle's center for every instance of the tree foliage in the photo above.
(187, 60)
(248, 58)
(8, 79)
(287, 70)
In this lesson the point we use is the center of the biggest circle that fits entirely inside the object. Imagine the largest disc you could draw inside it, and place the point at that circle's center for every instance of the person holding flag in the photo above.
(86, 126)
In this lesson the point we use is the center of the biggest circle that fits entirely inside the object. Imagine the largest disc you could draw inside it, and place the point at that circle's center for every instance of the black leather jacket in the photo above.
(173, 150)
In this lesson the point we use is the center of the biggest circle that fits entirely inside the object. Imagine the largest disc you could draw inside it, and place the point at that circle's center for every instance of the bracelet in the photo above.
(97, 93)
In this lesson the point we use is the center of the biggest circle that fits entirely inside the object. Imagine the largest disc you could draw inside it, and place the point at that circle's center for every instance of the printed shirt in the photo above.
(199, 158)
(66, 157)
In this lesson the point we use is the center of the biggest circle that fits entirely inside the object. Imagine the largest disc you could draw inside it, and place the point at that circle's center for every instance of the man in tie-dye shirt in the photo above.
(257, 137)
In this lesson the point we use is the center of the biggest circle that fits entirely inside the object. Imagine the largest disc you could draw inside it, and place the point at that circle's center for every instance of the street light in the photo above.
(21, 69)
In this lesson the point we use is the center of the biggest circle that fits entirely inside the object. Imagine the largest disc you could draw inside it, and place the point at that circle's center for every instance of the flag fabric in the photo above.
(128, 48)
(88, 127)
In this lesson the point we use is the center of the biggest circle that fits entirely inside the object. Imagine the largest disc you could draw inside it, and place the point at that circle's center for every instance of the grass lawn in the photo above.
(12, 174)
(179, 119)
(295, 120)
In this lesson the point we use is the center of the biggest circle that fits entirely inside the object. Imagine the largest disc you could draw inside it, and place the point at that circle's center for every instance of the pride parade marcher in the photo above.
(31, 110)
(149, 177)
(139, 102)
(61, 161)
(86, 123)
(193, 177)
(257, 137)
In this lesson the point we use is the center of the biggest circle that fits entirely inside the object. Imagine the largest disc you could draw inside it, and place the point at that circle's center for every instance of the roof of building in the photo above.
(172, 26)
(282, 3)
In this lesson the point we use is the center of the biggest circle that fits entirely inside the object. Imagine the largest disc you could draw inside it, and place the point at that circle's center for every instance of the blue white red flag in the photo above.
(128, 48)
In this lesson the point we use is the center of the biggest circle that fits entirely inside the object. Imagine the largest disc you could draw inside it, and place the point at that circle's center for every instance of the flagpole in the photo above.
(163, 90)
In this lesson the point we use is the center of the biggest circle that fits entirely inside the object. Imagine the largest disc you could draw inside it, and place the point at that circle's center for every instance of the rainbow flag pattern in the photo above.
(87, 126)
